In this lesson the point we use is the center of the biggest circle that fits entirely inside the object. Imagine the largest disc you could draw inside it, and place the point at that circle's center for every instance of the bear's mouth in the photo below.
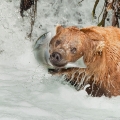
(58, 64)
(58, 61)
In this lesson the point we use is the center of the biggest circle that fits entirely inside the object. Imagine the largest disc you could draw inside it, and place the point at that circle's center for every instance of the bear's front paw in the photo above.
(53, 71)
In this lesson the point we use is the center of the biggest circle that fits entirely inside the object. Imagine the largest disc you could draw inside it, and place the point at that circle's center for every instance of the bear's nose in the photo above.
(56, 57)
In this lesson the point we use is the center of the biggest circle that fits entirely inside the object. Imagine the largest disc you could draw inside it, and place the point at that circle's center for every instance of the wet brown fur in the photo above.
(100, 48)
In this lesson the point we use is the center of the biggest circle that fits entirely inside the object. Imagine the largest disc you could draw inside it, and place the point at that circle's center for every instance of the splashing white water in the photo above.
(28, 92)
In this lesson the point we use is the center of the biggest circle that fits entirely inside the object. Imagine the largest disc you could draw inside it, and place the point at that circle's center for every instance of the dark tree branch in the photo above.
(32, 5)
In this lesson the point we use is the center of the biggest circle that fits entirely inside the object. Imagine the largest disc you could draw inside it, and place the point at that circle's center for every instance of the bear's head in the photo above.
(66, 46)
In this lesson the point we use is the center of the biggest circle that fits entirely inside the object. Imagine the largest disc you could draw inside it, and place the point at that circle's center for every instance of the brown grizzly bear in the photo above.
(100, 49)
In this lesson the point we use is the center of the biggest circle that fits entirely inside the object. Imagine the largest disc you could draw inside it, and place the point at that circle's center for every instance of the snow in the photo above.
(28, 92)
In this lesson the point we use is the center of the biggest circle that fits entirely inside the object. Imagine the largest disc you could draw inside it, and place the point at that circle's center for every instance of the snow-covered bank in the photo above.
(28, 92)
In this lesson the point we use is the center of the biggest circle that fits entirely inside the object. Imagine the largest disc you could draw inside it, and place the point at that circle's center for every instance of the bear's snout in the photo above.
(55, 57)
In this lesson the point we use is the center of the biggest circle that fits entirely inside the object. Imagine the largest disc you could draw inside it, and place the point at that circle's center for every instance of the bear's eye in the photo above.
(73, 50)
(58, 42)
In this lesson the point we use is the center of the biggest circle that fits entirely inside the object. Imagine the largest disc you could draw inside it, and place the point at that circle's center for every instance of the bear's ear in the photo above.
(93, 34)
(59, 28)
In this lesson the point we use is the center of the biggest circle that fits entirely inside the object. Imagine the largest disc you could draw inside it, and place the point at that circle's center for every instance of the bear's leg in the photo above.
(75, 76)
(61, 71)
(94, 89)
(78, 78)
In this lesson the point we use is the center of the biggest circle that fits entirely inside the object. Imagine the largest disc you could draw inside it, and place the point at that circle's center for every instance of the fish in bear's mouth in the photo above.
(53, 61)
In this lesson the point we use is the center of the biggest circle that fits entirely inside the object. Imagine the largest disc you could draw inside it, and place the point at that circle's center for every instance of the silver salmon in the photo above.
(41, 49)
